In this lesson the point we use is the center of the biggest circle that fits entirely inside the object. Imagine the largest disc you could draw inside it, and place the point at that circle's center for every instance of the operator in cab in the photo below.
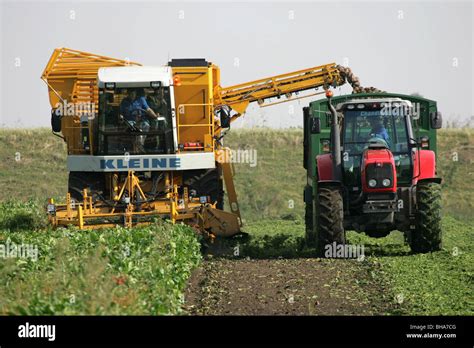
(378, 130)
(135, 110)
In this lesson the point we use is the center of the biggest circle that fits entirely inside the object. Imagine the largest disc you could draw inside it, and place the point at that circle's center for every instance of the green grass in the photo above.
(273, 188)
(102, 272)
(456, 166)
(32, 164)
(439, 283)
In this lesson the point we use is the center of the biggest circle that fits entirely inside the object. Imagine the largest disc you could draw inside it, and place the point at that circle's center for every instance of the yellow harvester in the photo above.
(146, 141)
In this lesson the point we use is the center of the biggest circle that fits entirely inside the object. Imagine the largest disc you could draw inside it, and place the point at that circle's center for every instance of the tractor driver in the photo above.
(378, 130)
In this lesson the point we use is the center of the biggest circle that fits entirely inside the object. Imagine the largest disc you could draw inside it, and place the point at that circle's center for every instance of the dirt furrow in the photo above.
(285, 287)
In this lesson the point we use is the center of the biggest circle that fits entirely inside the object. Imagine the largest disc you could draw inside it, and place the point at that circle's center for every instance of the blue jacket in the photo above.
(131, 109)
(382, 134)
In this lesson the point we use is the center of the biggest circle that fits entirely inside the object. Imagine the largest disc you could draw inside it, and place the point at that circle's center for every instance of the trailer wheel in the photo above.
(427, 235)
(330, 217)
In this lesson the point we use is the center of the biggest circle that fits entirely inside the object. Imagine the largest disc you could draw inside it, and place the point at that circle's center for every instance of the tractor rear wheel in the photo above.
(330, 217)
(427, 235)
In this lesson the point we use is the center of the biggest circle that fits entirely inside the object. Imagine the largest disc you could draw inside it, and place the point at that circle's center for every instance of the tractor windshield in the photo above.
(135, 121)
(363, 127)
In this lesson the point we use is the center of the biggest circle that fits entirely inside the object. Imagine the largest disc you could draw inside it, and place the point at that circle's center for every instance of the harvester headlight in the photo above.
(386, 182)
(203, 199)
(372, 183)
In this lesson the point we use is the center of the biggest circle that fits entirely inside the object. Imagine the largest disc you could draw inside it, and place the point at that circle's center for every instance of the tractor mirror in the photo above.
(315, 125)
(436, 120)
(55, 121)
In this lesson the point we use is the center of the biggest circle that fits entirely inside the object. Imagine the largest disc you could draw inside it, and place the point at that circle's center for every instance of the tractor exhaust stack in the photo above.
(335, 140)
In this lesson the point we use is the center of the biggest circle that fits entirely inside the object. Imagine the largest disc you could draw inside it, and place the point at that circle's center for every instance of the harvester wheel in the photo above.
(78, 181)
(330, 217)
(208, 183)
(427, 235)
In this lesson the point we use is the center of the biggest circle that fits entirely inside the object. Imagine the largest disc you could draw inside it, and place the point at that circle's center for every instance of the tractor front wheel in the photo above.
(330, 217)
(427, 235)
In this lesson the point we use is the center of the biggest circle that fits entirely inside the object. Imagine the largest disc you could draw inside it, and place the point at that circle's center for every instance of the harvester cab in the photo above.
(371, 168)
(136, 111)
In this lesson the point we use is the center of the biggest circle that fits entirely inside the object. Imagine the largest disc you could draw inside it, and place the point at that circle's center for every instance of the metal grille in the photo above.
(383, 171)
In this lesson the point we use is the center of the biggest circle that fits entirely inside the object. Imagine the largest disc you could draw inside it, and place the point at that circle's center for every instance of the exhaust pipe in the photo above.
(335, 141)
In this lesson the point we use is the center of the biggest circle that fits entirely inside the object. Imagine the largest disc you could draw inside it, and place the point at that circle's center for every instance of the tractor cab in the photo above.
(135, 111)
(373, 127)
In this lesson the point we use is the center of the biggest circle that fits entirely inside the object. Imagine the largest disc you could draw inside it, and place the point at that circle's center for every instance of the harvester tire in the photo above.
(209, 183)
(427, 236)
(330, 217)
(78, 181)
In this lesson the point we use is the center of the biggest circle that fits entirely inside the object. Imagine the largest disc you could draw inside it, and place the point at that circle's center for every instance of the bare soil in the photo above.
(301, 286)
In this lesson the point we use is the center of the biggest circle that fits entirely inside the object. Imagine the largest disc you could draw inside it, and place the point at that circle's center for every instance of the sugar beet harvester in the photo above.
(145, 141)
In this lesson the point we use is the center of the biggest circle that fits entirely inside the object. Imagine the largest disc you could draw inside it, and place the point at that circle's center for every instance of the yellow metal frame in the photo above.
(80, 213)
(228, 174)
(195, 105)
(239, 96)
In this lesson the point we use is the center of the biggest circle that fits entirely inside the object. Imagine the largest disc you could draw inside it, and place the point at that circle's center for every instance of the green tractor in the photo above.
(371, 167)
